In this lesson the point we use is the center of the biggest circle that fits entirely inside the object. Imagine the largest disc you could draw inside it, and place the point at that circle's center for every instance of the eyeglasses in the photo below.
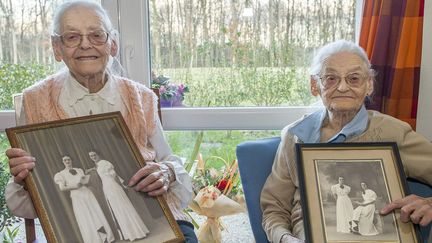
(74, 39)
(330, 80)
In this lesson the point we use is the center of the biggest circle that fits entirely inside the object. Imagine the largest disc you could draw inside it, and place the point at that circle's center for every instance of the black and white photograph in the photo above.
(343, 187)
(352, 192)
(80, 189)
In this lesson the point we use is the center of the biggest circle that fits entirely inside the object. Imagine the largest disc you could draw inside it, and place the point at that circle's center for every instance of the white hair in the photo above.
(335, 48)
(64, 7)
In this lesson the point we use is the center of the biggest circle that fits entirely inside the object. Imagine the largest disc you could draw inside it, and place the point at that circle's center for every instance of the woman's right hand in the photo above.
(20, 164)
(290, 239)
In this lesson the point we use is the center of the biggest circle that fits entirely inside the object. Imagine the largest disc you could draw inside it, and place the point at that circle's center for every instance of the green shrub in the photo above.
(15, 77)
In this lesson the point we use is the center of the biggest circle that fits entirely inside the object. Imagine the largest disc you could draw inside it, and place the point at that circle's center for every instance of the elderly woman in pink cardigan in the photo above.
(84, 39)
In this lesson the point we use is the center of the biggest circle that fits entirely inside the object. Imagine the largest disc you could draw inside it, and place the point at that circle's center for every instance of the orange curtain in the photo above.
(391, 34)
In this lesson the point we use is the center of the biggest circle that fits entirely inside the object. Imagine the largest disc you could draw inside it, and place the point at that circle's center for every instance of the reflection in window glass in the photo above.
(214, 144)
(241, 53)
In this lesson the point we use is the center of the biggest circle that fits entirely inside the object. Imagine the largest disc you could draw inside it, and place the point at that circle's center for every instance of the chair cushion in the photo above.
(255, 160)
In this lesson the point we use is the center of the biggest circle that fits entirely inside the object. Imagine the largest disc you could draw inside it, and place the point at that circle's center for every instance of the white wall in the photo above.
(424, 112)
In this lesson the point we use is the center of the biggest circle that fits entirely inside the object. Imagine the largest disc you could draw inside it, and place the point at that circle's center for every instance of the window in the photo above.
(243, 53)
(245, 63)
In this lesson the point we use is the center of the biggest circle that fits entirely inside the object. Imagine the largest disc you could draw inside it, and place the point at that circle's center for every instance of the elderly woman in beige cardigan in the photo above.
(84, 39)
(341, 75)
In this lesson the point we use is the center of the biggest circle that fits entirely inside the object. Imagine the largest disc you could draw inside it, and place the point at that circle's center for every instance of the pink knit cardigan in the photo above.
(41, 104)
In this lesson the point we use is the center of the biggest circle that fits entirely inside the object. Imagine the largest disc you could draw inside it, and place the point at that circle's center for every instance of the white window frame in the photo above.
(131, 19)
(424, 114)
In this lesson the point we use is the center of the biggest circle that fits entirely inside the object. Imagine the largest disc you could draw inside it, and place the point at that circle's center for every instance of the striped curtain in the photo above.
(391, 34)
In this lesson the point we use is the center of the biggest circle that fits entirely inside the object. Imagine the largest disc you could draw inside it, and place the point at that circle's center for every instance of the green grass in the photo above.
(243, 86)
(215, 143)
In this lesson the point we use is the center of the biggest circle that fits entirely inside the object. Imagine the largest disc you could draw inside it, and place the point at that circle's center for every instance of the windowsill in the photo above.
(214, 118)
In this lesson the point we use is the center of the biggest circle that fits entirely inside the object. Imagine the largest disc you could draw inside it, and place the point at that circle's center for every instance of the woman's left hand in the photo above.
(152, 178)
(412, 208)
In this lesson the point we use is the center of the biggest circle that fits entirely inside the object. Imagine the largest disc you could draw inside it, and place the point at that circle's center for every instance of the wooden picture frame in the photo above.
(79, 184)
(365, 175)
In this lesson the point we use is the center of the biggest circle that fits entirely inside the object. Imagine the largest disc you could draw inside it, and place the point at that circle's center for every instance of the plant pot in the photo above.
(171, 103)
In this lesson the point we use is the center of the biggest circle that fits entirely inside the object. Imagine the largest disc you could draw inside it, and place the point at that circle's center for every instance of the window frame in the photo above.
(424, 106)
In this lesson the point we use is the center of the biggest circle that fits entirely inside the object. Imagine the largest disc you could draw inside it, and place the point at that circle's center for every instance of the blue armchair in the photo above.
(255, 160)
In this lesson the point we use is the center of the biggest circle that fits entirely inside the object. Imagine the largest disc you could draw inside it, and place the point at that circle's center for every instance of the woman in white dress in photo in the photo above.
(131, 225)
(363, 215)
(91, 221)
(344, 208)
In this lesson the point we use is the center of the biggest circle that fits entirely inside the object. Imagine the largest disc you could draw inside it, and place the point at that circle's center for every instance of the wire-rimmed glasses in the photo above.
(331, 80)
(74, 39)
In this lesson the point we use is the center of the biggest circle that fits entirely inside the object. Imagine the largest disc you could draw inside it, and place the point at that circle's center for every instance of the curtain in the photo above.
(391, 34)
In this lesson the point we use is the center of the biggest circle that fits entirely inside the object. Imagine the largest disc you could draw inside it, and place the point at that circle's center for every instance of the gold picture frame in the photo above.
(79, 184)
(364, 175)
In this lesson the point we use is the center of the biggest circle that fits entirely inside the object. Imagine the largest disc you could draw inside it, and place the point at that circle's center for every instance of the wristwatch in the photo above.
(170, 170)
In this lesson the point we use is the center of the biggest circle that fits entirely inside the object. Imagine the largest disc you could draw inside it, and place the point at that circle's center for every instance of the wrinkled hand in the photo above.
(20, 164)
(290, 239)
(152, 178)
(413, 208)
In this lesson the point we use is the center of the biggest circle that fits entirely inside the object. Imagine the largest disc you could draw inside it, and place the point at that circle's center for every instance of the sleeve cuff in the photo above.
(18, 201)
(182, 185)
(278, 233)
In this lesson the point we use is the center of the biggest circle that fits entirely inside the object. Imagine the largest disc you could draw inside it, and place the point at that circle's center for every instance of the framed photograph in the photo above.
(344, 185)
(79, 184)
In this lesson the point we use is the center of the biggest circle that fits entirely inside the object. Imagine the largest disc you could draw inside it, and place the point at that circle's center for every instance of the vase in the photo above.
(171, 103)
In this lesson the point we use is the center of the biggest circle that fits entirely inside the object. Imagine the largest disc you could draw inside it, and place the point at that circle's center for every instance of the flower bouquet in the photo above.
(217, 195)
(170, 94)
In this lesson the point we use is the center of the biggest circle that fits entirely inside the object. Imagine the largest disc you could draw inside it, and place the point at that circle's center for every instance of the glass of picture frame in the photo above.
(343, 186)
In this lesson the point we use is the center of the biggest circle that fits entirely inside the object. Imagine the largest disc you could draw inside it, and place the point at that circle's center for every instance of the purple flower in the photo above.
(181, 88)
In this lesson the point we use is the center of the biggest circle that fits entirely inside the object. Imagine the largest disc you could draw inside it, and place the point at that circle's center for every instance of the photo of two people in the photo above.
(352, 192)
(80, 184)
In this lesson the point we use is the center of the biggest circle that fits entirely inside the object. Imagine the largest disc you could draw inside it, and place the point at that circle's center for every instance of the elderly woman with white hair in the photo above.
(342, 76)
(84, 39)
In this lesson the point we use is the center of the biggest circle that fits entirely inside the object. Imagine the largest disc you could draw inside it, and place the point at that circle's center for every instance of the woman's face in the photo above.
(94, 156)
(67, 161)
(343, 97)
(87, 59)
